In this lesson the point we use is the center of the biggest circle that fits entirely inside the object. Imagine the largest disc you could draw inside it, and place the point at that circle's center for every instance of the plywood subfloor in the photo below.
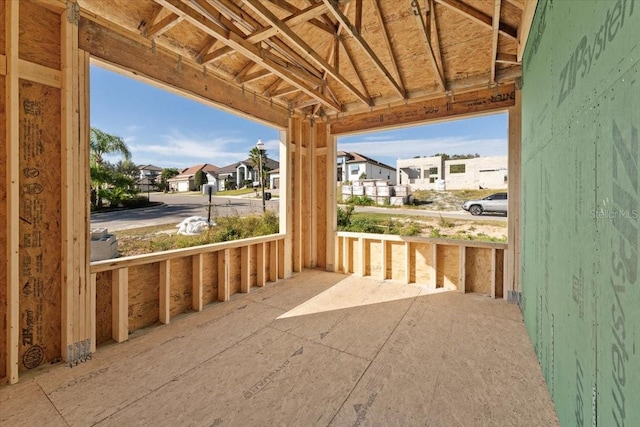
(317, 349)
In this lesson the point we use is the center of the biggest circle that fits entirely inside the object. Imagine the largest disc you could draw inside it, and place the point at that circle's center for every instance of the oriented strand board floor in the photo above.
(318, 349)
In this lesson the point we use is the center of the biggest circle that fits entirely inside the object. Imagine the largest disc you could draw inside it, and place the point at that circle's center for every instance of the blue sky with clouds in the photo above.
(168, 130)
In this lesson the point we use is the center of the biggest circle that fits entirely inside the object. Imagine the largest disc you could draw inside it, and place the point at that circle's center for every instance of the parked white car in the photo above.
(494, 203)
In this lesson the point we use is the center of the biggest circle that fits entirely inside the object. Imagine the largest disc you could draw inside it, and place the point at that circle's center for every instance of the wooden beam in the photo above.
(254, 76)
(512, 254)
(165, 292)
(477, 16)
(344, 21)
(494, 39)
(285, 257)
(266, 59)
(387, 41)
(164, 25)
(12, 180)
(120, 304)
(358, 16)
(425, 33)
(132, 56)
(244, 71)
(465, 104)
(284, 5)
(356, 70)
(435, 37)
(287, 90)
(206, 48)
(273, 86)
(330, 191)
(3, 65)
(297, 41)
(197, 282)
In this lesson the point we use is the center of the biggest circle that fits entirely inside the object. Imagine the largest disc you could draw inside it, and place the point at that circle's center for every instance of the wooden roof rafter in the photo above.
(344, 22)
(256, 54)
(478, 16)
(387, 40)
(494, 39)
(297, 41)
(426, 26)
(248, 25)
(328, 27)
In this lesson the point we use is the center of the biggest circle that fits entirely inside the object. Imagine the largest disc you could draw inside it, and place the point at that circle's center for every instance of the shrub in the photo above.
(360, 201)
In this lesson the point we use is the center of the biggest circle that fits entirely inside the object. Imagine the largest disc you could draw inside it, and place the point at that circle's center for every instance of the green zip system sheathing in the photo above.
(580, 210)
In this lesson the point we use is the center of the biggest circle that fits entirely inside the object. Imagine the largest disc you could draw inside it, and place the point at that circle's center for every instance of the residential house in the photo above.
(352, 165)
(241, 174)
(432, 173)
(274, 178)
(186, 180)
(148, 177)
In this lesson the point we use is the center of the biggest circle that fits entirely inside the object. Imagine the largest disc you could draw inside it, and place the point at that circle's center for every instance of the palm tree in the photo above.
(255, 159)
(102, 143)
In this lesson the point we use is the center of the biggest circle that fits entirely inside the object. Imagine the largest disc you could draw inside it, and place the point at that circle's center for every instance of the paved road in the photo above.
(180, 206)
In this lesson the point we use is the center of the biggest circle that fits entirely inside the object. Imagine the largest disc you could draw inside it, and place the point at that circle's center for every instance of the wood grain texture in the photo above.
(144, 290)
(103, 307)
(209, 278)
(478, 270)
(448, 267)
(181, 289)
(40, 35)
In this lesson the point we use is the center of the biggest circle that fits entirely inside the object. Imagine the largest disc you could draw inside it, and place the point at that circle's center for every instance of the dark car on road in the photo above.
(496, 203)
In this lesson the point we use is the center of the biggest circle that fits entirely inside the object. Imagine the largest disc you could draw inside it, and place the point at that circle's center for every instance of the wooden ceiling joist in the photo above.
(284, 91)
(206, 48)
(256, 75)
(273, 86)
(344, 21)
(327, 27)
(494, 39)
(507, 58)
(293, 38)
(479, 17)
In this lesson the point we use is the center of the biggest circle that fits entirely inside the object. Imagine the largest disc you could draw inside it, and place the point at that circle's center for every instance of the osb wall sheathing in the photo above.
(144, 295)
(374, 251)
(181, 285)
(209, 277)
(395, 260)
(3, 209)
(448, 267)
(40, 213)
(39, 40)
(103, 306)
(478, 270)
(421, 263)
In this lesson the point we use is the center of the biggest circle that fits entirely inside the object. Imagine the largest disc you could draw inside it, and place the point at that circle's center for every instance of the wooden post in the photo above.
(296, 201)
(330, 191)
(13, 191)
(461, 269)
(83, 189)
(383, 273)
(120, 304)
(363, 257)
(245, 269)
(197, 282)
(261, 268)
(92, 311)
(165, 292)
(512, 258)
(223, 275)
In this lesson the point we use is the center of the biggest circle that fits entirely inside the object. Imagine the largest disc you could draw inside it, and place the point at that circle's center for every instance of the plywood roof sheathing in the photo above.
(425, 31)
(477, 16)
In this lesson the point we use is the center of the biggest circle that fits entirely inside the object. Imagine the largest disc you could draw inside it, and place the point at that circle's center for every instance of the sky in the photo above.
(167, 130)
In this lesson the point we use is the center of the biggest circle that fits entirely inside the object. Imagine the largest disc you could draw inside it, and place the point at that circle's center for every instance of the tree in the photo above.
(102, 172)
(256, 158)
(166, 175)
(200, 179)
(457, 156)
(102, 143)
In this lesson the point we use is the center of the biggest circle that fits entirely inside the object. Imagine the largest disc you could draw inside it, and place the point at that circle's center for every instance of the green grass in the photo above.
(239, 192)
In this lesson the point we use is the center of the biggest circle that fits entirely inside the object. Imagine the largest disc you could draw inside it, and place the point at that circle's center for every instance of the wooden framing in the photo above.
(512, 258)
(477, 16)
(120, 305)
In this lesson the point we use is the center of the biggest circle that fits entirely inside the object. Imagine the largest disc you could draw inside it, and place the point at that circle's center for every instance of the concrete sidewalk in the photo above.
(317, 349)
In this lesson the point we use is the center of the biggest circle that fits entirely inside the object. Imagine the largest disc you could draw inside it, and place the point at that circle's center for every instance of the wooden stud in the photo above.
(493, 272)
(197, 279)
(462, 262)
(13, 191)
(384, 260)
(245, 269)
(120, 304)
(92, 311)
(512, 258)
(296, 200)
(273, 261)
(224, 292)
(362, 265)
(286, 213)
(165, 292)
(407, 261)
(261, 265)
(434, 266)
(346, 253)
(84, 211)
(40, 74)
